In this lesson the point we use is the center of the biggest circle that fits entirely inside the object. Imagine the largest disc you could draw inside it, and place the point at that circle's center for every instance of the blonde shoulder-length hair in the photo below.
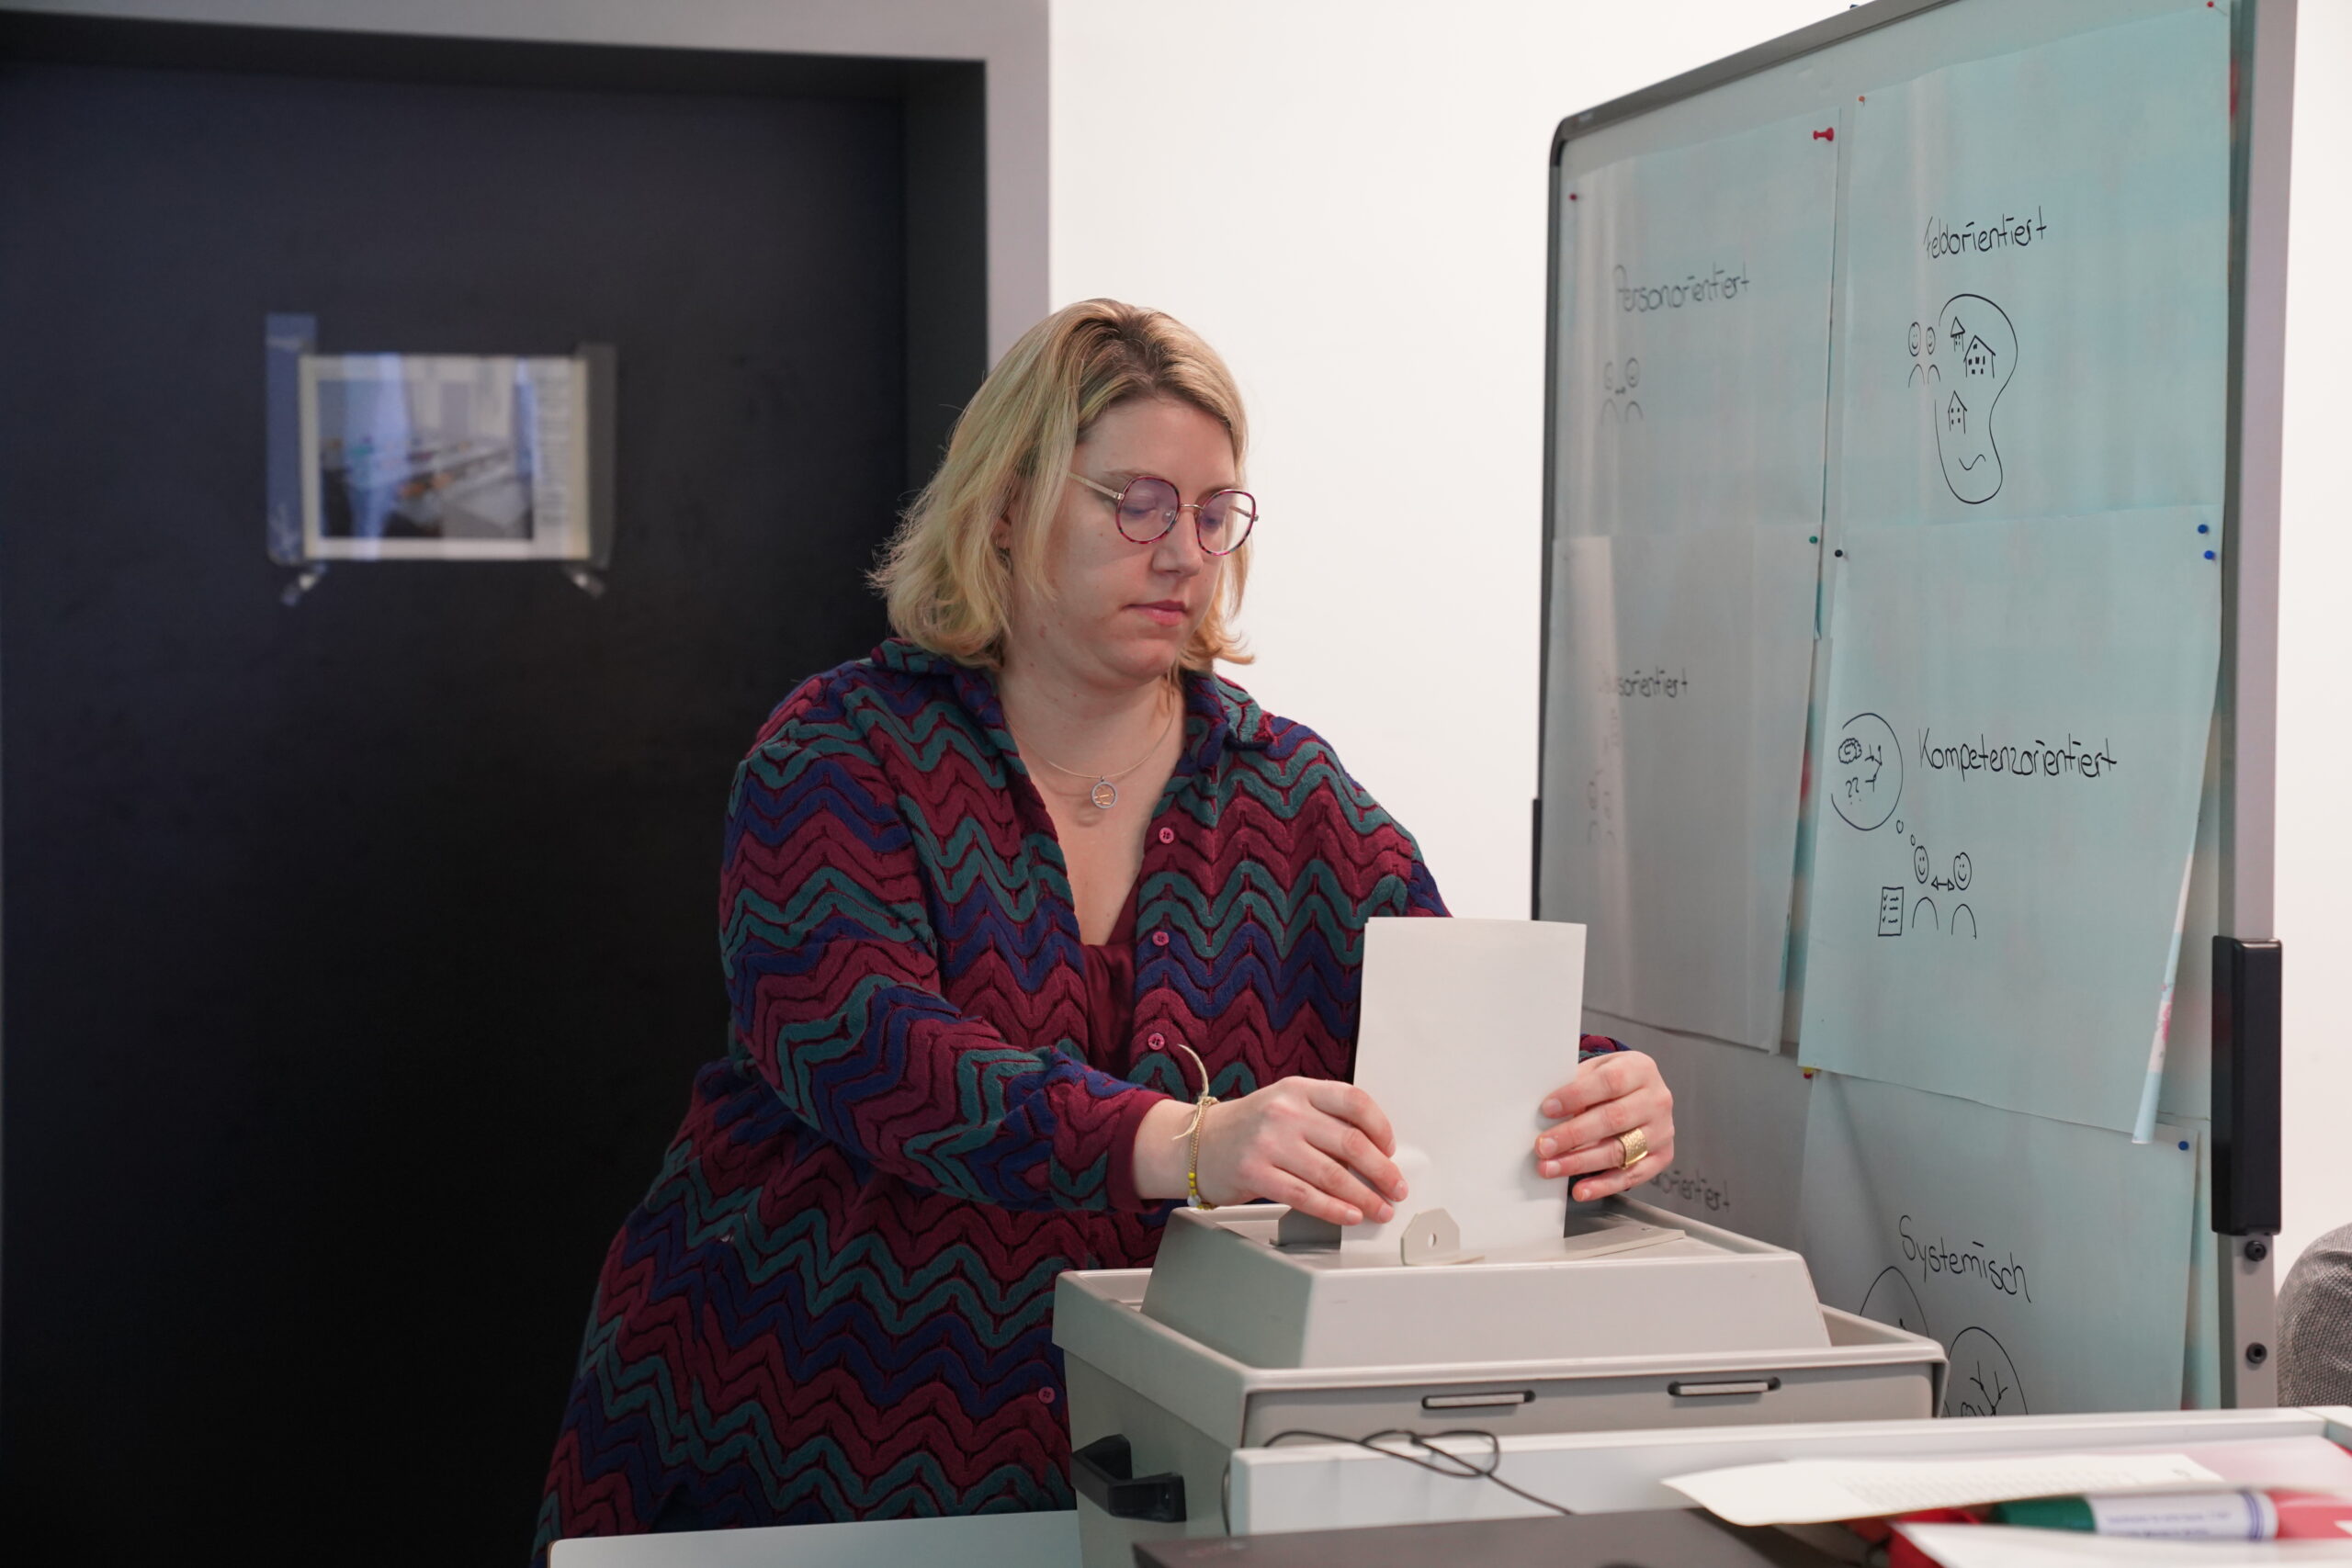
(949, 588)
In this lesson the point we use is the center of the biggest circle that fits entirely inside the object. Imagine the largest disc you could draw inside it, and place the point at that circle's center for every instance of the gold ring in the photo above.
(1636, 1146)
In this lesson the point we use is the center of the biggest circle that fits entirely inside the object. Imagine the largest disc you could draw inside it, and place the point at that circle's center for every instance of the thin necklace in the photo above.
(1105, 794)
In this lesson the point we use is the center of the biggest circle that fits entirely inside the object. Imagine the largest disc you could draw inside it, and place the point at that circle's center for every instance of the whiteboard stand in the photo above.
(2265, 54)
(1825, 65)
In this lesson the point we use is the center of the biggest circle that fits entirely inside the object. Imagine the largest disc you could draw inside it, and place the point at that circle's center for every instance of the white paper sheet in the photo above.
(2035, 305)
(1674, 741)
(2050, 1260)
(1979, 1546)
(1466, 1025)
(2011, 767)
(1811, 1491)
(1697, 285)
(1739, 1131)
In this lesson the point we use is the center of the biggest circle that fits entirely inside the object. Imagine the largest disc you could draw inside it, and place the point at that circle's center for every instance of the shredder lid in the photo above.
(1223, 1280)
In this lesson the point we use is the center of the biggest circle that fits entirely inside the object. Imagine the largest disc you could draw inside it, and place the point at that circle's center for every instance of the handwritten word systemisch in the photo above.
(1972, 1261)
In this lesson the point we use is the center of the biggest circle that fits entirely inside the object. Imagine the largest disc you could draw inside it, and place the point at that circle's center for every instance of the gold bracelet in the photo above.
(1200, 1115)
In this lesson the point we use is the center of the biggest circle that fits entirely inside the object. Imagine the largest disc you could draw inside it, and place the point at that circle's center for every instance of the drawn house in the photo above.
(1978, 359)
(1956, 413)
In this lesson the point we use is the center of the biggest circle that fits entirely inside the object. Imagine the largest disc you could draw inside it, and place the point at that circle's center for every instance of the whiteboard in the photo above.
(2105, 380)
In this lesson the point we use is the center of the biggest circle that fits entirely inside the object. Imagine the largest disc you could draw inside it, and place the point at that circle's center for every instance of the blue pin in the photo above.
(2208, 555)
(2184, 1145)
(2204, 528)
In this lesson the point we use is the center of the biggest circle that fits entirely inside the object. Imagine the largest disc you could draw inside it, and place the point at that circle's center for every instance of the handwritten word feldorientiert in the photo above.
(1944, 240)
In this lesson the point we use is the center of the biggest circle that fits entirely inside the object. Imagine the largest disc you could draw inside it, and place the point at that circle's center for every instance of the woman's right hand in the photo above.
(1321, 1146)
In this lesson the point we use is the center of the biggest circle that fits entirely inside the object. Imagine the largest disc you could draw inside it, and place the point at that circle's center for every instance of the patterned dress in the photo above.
(835, 1300)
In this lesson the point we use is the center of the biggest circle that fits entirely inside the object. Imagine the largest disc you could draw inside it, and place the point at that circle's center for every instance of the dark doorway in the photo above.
(359, 954)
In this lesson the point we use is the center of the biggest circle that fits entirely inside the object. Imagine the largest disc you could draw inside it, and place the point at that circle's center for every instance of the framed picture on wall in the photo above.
(427, 457)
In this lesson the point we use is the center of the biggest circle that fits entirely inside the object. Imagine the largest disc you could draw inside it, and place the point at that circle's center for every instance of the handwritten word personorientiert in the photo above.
(2035, 758)
(1696, 289)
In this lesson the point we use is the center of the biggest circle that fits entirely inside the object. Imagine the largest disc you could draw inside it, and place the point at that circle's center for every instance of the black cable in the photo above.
(1466, 1469)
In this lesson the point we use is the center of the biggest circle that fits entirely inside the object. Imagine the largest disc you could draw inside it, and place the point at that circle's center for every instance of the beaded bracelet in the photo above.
(1192, 1131)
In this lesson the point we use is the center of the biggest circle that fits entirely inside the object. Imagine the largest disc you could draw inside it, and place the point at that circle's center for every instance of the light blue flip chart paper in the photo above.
(1739, 1131)
(2050, 1260)
(1694, 380)
(2186, 1093)
(2011, 767)
(2035, 313)
(1674, 741)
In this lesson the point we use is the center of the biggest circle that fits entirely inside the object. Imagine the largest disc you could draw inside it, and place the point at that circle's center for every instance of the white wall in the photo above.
(1347, 197)
(2314, 858)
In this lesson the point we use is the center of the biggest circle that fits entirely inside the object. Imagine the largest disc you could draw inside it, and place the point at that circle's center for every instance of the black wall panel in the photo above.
(357, 955)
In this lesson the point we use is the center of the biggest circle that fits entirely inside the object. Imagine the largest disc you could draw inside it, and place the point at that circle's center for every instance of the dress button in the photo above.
(1160, 939)
(1168, 835)
(1155, 1040)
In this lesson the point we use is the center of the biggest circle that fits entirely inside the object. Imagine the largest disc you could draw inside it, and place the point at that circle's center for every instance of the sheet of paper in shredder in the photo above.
(1674, 742)
(2050, 1260)
(2017, 715)
(1693, 387)
(2035, 308)
(1466, 1026)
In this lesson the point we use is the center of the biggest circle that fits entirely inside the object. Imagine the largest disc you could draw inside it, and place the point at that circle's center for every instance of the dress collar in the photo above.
(1229, 714)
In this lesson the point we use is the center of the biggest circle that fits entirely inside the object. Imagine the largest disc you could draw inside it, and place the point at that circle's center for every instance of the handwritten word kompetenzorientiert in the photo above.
(1937, 1257)
(1697, 288)
(2036, 759)
(1943, 240)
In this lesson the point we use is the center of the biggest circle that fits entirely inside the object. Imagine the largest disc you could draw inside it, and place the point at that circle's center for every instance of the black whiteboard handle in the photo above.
(2246, 1028)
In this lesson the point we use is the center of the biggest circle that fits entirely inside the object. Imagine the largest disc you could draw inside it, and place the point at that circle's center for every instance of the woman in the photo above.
(987, 895)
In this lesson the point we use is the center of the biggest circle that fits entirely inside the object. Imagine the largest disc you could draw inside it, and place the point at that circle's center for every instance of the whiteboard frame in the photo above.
(2262, 64)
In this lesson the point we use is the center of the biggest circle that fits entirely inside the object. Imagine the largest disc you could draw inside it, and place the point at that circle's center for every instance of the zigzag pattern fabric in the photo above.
(834, 1301)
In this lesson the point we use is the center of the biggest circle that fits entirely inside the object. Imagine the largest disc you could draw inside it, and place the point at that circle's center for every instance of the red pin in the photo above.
(1828, 135)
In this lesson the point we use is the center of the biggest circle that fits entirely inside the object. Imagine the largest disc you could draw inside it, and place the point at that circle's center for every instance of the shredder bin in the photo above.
(1155, 1412)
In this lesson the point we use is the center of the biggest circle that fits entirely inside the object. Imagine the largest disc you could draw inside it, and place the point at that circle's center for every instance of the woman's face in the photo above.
(1122, 613)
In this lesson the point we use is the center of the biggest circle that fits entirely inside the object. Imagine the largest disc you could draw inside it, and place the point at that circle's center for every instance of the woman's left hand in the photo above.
(1609, 1098)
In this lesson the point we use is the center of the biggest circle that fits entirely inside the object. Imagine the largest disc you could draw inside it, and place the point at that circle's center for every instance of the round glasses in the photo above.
(1149, 506)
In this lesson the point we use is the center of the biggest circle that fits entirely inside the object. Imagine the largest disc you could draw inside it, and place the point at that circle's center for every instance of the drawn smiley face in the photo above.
(1980, 355)
(1920, 862)
(1867, 782)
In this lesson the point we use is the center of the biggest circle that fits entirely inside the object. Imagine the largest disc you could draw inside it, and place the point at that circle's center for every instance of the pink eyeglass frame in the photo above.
(1117, 499)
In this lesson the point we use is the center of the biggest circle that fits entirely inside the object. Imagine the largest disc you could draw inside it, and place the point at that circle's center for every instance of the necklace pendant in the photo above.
(1104, 795)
